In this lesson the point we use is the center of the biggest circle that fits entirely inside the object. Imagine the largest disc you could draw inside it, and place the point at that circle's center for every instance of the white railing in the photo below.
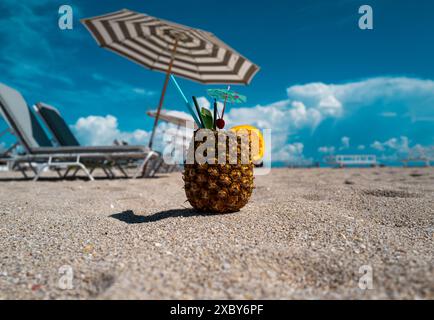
(354, 159)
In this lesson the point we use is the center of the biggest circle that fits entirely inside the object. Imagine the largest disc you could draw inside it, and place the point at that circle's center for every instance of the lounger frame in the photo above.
(68, 158)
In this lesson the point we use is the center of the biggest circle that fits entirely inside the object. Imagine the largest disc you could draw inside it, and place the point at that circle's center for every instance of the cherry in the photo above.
(220, 123)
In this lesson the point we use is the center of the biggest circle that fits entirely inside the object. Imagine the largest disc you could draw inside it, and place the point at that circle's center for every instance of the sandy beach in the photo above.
(305, 234)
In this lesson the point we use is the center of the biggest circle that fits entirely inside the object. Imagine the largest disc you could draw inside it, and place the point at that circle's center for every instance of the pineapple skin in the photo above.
(219, 188)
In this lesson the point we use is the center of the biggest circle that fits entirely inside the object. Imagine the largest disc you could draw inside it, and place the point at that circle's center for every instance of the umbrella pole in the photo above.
(163, 92)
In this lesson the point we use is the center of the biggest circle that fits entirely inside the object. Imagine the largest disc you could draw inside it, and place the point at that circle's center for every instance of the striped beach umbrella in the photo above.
(171, 48)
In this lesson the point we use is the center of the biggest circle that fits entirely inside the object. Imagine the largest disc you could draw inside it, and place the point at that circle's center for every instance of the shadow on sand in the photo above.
(130, 217)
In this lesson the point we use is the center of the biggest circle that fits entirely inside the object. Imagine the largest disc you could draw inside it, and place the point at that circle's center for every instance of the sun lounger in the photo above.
(39, 149)
(56, 124)
(63, 135)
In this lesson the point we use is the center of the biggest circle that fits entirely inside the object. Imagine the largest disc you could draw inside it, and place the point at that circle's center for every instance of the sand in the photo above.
(306, 233)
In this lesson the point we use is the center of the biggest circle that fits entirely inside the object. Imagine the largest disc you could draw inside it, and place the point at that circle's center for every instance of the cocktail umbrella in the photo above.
(227, 96)
(171, 48)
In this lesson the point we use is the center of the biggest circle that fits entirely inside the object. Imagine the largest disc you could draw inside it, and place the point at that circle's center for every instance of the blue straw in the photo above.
(189, 107)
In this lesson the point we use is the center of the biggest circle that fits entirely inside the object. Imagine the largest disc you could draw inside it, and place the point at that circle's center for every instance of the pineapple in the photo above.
(225, 185)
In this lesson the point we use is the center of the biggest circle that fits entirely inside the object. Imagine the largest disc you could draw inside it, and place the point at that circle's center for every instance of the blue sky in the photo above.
(325, 86)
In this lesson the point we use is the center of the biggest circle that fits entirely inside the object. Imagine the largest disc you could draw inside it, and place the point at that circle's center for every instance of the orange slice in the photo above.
(256, 136)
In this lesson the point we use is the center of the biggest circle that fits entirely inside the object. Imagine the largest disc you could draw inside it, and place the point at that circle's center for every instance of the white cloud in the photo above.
(203, 102)
(361, 147)
(416, 152)
(326, 149)
(395, 149)
(292, 152)
(414, 95)
(103, 130)
(143, 92)
(309, 104)
(302, 116)
(345, 143)
(377, 145)
(319, 96)
(400, 144)
(98, 130)
(395, 144)
(281, 116)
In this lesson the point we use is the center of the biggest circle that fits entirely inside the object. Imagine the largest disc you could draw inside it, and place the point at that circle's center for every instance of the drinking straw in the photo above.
(224, 105)
(198, 111)
(189, 107)
(215, 114)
